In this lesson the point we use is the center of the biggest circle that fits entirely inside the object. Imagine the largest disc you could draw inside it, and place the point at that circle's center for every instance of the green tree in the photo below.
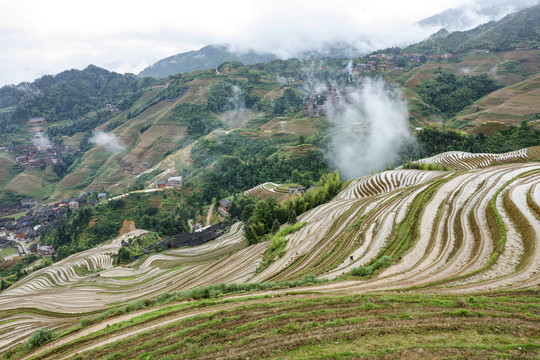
(275, 226)
(124, 255)
(292, 217)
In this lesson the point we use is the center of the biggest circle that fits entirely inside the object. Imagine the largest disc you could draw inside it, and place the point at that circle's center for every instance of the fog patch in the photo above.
(237, 115)
(42, 142)
(371, 124)
(108, 141)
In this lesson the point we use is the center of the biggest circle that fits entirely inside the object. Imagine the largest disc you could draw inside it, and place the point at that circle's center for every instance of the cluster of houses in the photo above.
(38, 217)
(387, 62)
(33, 156)
(172, 182)
(315, 104)
(41, 152)
(43, 250)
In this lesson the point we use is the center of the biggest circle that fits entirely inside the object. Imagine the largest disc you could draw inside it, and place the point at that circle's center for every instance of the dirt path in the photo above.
(209, 215)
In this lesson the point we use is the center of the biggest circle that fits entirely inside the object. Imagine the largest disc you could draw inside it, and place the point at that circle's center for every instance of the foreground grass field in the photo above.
(287, 325)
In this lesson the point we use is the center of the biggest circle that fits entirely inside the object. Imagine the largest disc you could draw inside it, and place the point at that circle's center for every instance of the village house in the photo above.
(45, 250)
(362, 68)
(102, 196)
(224, 206)
(162, 86)
(28, 202)
(21, 159)
(161, 184)
(175, 181)
(36, 125)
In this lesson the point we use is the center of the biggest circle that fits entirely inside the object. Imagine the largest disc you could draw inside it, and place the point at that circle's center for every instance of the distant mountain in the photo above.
(337, 50)
(475, 13)
(207, 57)
(521, 28)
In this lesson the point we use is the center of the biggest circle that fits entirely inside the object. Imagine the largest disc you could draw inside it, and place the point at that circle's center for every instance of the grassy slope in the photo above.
(6, 171)
(304, 325)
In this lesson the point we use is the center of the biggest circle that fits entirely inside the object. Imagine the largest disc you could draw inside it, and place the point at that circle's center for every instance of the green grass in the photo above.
(16, 216)
(323, 326)
(6, 252)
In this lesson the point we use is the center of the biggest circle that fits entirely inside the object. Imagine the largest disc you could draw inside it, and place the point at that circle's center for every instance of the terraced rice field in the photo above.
(267, 190)
(467, 161)
(447, 233)
(62, 289)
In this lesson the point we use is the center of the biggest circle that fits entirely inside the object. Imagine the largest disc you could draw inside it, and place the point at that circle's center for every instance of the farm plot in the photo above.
(267, 190)
(467, 161)
(89, 281)
(466, 231)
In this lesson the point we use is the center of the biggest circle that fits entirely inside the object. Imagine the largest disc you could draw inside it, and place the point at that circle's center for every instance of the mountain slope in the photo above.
(507, 106)
(205, 58)
(521, 28)
(474, 13)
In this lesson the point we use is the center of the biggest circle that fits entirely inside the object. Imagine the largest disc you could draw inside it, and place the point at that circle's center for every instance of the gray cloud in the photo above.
(40, 38)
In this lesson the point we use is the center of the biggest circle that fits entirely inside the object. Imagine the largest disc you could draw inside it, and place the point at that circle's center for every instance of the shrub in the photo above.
(38, 338)
(365, 271)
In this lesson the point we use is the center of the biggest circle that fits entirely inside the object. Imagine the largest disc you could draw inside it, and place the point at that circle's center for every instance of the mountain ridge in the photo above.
(209, 56)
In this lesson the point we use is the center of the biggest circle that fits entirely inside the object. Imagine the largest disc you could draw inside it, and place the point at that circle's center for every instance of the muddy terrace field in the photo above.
(460, 270)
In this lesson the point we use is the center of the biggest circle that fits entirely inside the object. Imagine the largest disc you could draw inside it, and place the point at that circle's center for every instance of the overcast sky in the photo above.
(49, 36)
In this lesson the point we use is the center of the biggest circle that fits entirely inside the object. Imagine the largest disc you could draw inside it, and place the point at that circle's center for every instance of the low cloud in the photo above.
(237, 115)
(370, 126)
(108, 141)
(41, 141)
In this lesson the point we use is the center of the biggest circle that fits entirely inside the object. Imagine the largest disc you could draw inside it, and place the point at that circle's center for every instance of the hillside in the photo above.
(158, 127)
(508, 106)
(208, 57)
(467, 16)
(520, 28)
(516, 72)
(458, 236)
